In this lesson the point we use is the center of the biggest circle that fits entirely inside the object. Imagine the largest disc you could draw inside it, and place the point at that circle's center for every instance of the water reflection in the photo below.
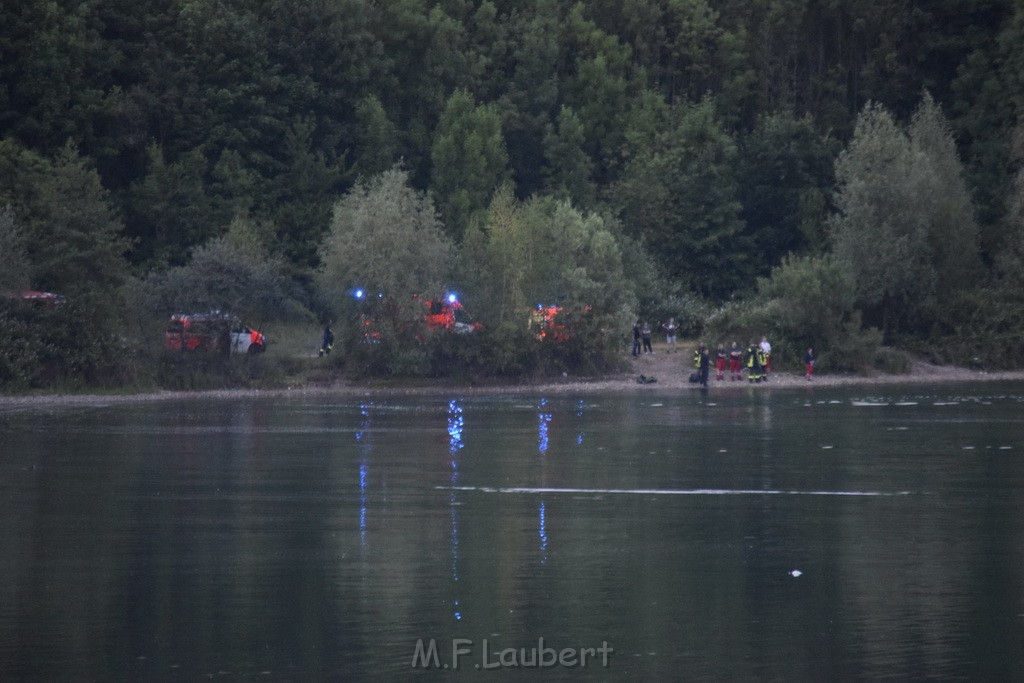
(232, 549)
(579, 414)
(455, 426)
(365, 449)
(543, 421)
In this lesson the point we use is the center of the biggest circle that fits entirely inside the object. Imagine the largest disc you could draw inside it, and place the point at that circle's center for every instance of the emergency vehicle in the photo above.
(552, 323)
(446, 314)
(214, 331)
(449, 314)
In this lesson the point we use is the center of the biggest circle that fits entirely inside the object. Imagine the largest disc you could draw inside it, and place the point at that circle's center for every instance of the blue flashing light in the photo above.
(452, 299)
(358, 294)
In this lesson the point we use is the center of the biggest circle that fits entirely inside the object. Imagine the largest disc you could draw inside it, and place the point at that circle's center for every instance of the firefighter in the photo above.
(762, 360)
(753, 363)
(328, 341)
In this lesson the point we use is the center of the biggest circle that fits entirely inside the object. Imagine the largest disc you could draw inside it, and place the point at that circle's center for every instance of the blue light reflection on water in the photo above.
(364, 467)
(543, 421)
(456, 424)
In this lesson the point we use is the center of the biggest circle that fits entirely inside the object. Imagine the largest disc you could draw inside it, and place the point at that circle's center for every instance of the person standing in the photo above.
(328, 341)
(809, 362)
(767, 349)
(720, 360)
(754, 362)
(704, 367)
(736, 362)
(636, 339)
(670, 334)
(645, 332)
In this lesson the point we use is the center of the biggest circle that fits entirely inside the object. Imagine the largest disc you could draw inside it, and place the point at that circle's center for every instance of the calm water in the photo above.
(763, 533)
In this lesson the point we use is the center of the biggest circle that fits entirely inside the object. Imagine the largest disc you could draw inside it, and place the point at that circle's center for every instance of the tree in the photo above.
(377, 139)
(952, 229)
(171, 209)
(232, 273)
(678, 194)
(905, 225)
(384, 237)
(14, 265)
(545, 251)
(469, 161)
(569, 170)
(879, 233)
(73, 237)
(784, 167)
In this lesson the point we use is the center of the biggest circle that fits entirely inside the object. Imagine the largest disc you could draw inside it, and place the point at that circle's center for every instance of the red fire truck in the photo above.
(214, 331)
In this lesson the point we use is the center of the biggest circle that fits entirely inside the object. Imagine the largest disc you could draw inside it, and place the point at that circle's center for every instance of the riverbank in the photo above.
(670, 370)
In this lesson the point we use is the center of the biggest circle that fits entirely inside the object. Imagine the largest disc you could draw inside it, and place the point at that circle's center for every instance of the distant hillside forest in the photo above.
(842, 174)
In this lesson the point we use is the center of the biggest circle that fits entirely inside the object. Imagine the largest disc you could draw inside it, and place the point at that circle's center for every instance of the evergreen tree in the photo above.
(469, 161)
(569, 169)
(905, 228)
(678, 194)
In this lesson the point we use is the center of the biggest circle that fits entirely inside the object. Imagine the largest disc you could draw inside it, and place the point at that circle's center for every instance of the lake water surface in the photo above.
(759, 533)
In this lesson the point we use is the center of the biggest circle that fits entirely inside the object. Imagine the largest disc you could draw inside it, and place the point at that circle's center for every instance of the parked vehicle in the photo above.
(449, 314)
(215, 332)
(46, 298)
(552, 323)
(549, 322)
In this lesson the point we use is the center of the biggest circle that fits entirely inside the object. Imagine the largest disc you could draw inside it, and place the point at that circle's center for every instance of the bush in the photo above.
(891, 361)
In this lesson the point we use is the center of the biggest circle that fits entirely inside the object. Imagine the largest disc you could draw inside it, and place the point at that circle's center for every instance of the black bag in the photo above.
(694, 377)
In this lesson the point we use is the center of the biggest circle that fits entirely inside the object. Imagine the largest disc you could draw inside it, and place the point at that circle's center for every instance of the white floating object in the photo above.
(795, 573)
(722, 450)
(968, 448)
(825, 448)
(657, 405)
(1005, 448)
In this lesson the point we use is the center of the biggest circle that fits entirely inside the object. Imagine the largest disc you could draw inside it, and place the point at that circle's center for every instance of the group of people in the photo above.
(755, 360)
(642, 336)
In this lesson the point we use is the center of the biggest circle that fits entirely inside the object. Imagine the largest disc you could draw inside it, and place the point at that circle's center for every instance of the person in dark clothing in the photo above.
(328, 341)
(636, 338)
(705, 365)
(645, 333)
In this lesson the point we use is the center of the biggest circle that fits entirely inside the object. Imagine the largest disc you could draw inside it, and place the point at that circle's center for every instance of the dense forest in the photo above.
(843, 174)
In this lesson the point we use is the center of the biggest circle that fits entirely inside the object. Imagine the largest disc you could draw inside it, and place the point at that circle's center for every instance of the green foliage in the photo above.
(171, 206)
(67, 346)
(678, 194)
(230, 273)
(905, 229)
(469, 161)
(708, 128)
(783, 170)
(545, 252)
(384, 237)
(807, 302)
(14, 265)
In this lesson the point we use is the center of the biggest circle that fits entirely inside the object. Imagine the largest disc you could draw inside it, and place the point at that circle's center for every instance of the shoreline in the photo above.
(670, 375)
